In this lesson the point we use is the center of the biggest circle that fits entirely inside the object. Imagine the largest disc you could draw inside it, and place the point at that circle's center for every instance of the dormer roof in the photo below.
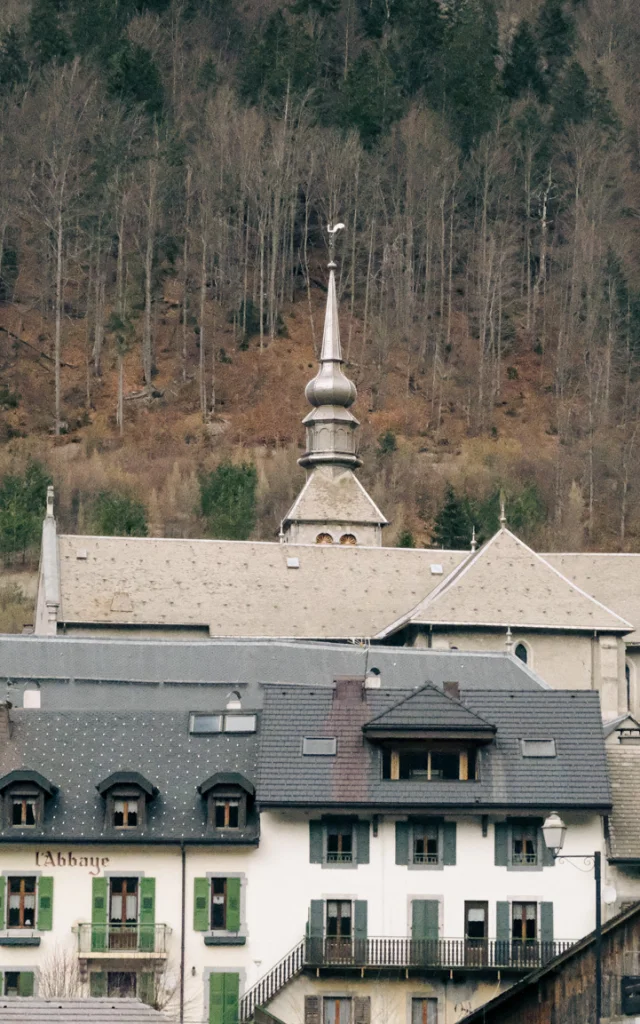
(128, 779)
(428, 712)
(26, 775)
(226, 779)
(505, 584)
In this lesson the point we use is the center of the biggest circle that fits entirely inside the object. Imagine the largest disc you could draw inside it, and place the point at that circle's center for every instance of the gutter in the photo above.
(183, 858)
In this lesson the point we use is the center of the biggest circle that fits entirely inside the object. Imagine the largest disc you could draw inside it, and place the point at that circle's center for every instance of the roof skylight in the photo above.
(325, 746)
(538, 748)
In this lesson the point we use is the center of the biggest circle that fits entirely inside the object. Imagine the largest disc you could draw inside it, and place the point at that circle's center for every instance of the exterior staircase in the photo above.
(271, 983)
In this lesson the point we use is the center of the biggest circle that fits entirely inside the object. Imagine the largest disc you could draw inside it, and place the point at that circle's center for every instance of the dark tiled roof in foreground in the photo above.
(78, 750)
(576, 777)
(624, 822)
(428, 707)
(77, 1011)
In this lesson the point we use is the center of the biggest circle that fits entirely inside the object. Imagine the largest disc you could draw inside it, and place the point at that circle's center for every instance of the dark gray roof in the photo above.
(171, 673)
(428, 708)
(78, 750)
(77, 1011)
(575, 777)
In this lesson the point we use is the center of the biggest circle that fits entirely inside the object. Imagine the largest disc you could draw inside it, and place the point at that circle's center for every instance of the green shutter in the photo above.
(97, 984)
(546, 922)
(147, 916)
(45, 904)
(25, 983)
(99, 915)
(502, 922)
(216, 997)
(501, 844)
(360, 920)
(402, 842)
(201, 905)
(425, 919)
(362, 842)
(3, 883)
(233, 904)
(231, 1004)
(147, 987)
(449, 842)
(316, 844)
(315, 931)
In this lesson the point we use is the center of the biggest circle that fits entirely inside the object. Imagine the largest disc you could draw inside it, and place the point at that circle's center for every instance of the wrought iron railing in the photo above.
(128, 938)
(521, 955)
(271, 983)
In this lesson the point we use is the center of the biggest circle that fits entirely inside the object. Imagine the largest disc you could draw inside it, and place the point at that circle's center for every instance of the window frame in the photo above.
(21, 926)
(21, 792)
(343, 822)
(467, 758)
(337, 999)
(514, 865)
(125, 794)
(524, 903)
(424, 999)
(215, 935)
(417, 823)
(226, 794)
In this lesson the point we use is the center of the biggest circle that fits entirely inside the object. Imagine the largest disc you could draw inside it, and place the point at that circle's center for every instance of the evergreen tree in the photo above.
(279, 57)
(452, 527)
(522, 69)
(134, 78)
(22, 505)
(13, 66)
(46, 33)
(370, 100)
(406, 540)
(118, 515)
(421, 36)
(556, 33)
(571, 98)
(228, 500)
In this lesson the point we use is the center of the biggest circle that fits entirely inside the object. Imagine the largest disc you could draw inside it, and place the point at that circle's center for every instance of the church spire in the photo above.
(330, 426)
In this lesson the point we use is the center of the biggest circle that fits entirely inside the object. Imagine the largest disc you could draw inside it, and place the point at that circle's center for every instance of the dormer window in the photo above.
(23, 794)
(126, 795)
(430, 763)
(230, 802)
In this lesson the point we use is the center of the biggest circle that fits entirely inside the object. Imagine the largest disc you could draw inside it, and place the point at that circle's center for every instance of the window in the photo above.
(121, 985)
(424, 1011)
(123, 913)
(524, 922)
(125, 813)
(337, 1010)
(206, 725)
(522, 653)
(227, 813)
(324, 538)
(538, 748)
(219, 903)
(17, 983)
(476, 915)
(524, 845)
(23, 811)
(340, 843)
(324, 746)
(338, 927)
(239, 723)
(21, 911)
(203, 724)
(426, 764)
(348, 538)
(11, 980)
(425, 843)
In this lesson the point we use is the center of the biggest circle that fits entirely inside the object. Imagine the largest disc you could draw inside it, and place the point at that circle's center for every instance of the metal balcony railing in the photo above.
(449, 954)
(125, 938)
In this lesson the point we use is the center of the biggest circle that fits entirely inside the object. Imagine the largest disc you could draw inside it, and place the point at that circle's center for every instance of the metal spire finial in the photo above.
(503, 515)
(509, 641)
(50, 501)
(474, 543)
(332, 230)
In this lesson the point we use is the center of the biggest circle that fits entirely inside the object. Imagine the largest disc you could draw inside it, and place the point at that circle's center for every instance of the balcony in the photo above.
(123, 941)
(430, 954)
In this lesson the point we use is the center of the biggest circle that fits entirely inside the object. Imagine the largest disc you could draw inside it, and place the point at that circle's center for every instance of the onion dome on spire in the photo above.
(330, 386)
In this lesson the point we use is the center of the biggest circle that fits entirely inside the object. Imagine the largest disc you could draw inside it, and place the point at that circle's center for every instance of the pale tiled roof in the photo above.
(624, 822)
(339, 499)
(613, 579)
(508, 584)
(242, 588)
(78, 1011)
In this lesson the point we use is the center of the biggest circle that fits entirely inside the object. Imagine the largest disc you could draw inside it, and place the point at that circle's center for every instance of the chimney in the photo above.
(5, 721)
(452, 689)
(349, 690)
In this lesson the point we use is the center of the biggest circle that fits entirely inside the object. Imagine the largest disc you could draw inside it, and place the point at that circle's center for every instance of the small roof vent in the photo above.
(82, 554)
(538, 748)
(31, 699)
(373, 679)
(234, 702)
(293, 563)
(436, 569)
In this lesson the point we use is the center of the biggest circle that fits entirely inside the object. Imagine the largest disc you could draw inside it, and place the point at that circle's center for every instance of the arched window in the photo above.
(522, 653)
(324, 538)
(234, 702)
(348, 538)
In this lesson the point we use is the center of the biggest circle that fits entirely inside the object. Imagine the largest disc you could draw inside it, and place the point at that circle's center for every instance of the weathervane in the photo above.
(332, 231)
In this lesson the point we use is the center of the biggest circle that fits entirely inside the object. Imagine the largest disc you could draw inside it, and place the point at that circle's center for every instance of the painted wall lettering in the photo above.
(49, 859)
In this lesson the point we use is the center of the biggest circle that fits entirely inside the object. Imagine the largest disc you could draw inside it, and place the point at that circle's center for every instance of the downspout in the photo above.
(183, 855)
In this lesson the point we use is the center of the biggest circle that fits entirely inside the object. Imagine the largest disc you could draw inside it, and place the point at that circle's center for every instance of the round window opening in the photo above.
(522, 653)
(324, 538)
(348, 538)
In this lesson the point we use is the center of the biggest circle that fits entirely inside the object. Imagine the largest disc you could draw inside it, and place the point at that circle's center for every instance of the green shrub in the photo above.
(228, 500)
(22, 506)
(406, 540)
(387, 443)
(118, 515)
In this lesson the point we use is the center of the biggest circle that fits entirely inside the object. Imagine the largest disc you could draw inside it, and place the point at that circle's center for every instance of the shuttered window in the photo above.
(426, 842)
(216, 904)
(338, 842)
(18, 983)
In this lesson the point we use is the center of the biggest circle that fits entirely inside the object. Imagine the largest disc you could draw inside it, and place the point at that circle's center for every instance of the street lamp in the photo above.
(554, 831)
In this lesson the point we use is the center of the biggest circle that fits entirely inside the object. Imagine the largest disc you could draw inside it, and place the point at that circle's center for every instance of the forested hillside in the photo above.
(167, 172)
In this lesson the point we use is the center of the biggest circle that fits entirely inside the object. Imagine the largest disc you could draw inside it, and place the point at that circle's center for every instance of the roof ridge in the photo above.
(421, 689)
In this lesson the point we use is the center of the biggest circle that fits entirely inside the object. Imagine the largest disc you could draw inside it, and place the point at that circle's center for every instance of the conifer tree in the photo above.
(452, 527)
(522, 71)
(13, 66)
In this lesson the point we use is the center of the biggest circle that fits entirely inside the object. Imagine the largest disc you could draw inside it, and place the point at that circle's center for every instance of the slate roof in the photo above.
(624, 821)
(243, 588)
(77, 1011)
(89, 674)
(428, 707)
(77, 750)
(330, 498)
(576, 777)
(507, 584)
(613, 578)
